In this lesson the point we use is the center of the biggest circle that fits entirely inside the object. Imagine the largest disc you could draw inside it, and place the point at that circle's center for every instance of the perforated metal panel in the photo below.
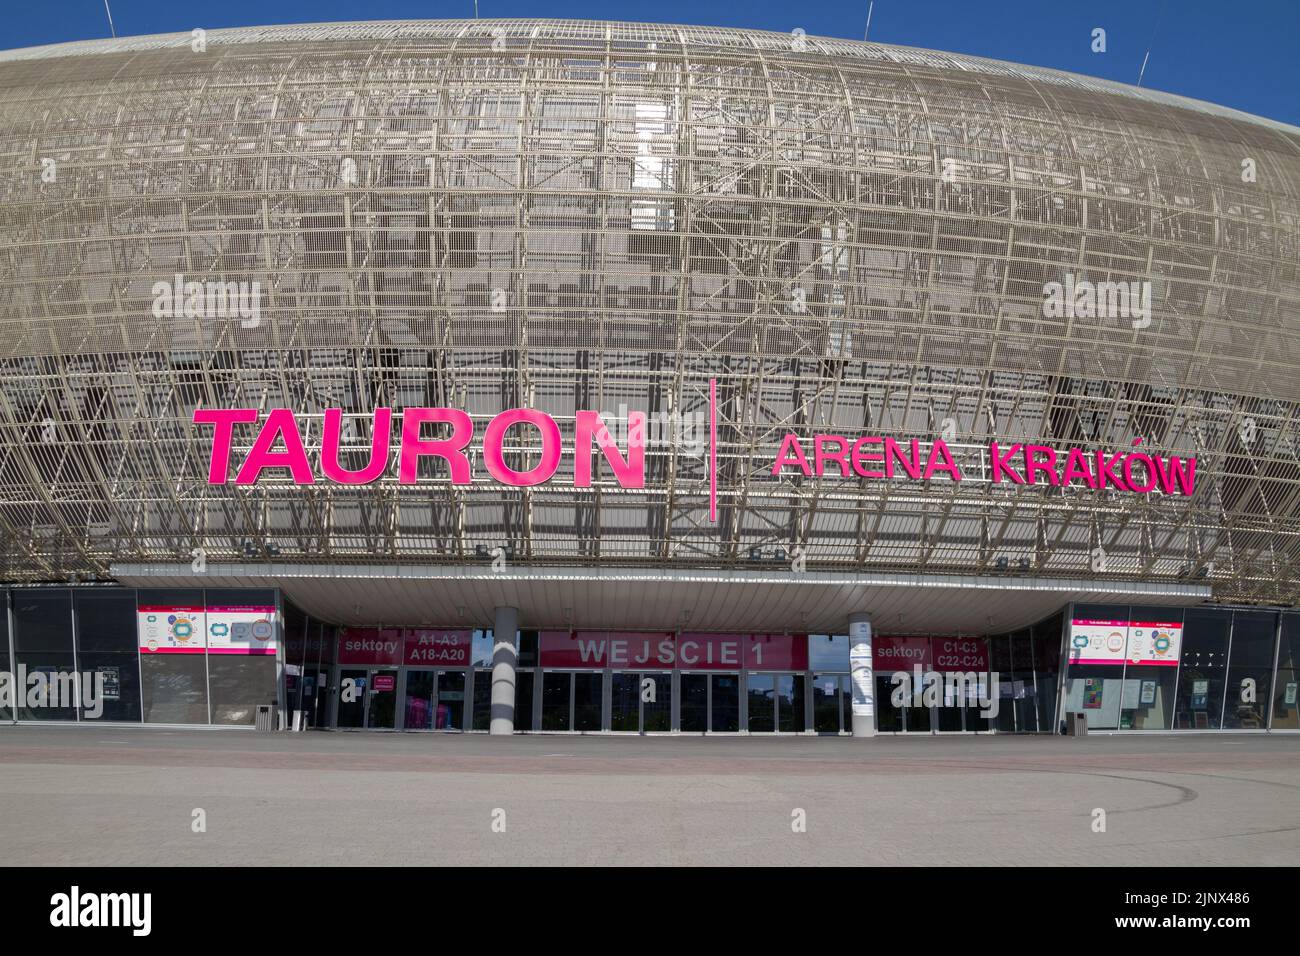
(487, 214)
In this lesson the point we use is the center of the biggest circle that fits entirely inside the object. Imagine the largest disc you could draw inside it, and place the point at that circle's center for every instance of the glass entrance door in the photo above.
(724, 703)
(435, 700)
(420, 693)
(381, 700)
(351, 699)
(710, 703)
(641, 702)
(572, 700)
(760, 698)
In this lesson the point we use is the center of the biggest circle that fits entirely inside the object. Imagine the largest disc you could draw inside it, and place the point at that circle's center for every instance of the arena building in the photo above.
(579, 376)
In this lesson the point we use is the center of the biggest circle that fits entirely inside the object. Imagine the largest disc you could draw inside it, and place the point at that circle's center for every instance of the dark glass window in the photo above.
(1047, 668)
(587, 689)
(1202, 668)
(1286, 694)
(108, 645)
(43, 645)
(482, 707)
(694, 714)
(6, 665)
(1250, 670)
(555, 701)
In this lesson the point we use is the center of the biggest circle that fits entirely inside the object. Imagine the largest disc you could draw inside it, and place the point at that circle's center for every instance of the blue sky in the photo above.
(1240, 54)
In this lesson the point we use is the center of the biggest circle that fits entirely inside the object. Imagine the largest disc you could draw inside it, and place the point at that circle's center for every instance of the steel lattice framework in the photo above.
(566, 215)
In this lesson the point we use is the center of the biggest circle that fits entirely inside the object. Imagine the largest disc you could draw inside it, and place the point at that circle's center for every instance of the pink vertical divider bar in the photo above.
(713, 450)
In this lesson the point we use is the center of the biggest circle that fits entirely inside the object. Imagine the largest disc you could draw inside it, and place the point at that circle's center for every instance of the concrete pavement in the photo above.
(103, 796)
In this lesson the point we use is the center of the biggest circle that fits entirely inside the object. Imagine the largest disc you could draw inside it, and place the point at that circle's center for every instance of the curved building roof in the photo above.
(400, 34)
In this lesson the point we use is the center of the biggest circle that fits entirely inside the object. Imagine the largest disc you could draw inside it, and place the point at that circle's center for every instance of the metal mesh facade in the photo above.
(848, 237)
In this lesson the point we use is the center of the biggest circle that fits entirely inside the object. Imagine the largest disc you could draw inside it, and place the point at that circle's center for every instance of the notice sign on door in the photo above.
(241, 629)
(170, 629)
(1098, 642)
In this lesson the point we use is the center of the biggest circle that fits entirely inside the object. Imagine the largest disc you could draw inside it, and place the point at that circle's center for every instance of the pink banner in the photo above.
(588, 650)
(370, 645)
(900, 653)
(432, 647)
(960, 654)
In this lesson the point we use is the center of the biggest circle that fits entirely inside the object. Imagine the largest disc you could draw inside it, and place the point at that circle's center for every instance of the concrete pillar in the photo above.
(505, 658)
(862, 676)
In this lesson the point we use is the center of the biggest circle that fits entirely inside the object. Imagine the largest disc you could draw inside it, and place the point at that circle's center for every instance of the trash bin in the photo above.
(263, 721)
(1076, 724)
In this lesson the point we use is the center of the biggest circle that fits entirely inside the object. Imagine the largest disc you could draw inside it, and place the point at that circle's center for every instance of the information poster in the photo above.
(1098, 642)
(1092, 693)
(170, 629)
(861, 670)
(1155, 642)
(241, 629)
(112, 682)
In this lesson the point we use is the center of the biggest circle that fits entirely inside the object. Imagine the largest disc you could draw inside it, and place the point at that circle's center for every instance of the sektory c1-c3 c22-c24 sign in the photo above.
(280, 444)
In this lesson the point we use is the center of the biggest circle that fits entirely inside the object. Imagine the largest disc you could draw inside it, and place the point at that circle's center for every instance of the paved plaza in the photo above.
(76, 796)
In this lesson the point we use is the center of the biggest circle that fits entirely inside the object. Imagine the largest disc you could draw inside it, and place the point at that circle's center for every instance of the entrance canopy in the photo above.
(814, 602)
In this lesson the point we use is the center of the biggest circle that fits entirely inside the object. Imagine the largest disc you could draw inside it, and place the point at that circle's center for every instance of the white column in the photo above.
(505, 657)
(862, 676)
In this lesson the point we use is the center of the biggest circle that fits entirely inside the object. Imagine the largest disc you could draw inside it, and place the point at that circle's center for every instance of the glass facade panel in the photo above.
(1147, 697)
(791, 718)
(724, 703)
(418, 712)
(624, 702)
(1198, 702)
(889, 714)
(1047, 669)
(43, 645)
(1249, 686)
(1020, 695)
(826, 703)
(1286, 692)
(6, 665)
(450, 712)
(587, 690)
(174, 686)
(107, 646)
(556, 700)
(1000, 663)
(525, 682)
(695, 703)
(1096, 690)
(351, 712)
(828, 652)
(381, 704)
(760, 692)
(482, 709)
(657, 714)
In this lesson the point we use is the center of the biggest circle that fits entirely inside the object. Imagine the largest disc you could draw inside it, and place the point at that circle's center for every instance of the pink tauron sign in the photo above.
(281, 426)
